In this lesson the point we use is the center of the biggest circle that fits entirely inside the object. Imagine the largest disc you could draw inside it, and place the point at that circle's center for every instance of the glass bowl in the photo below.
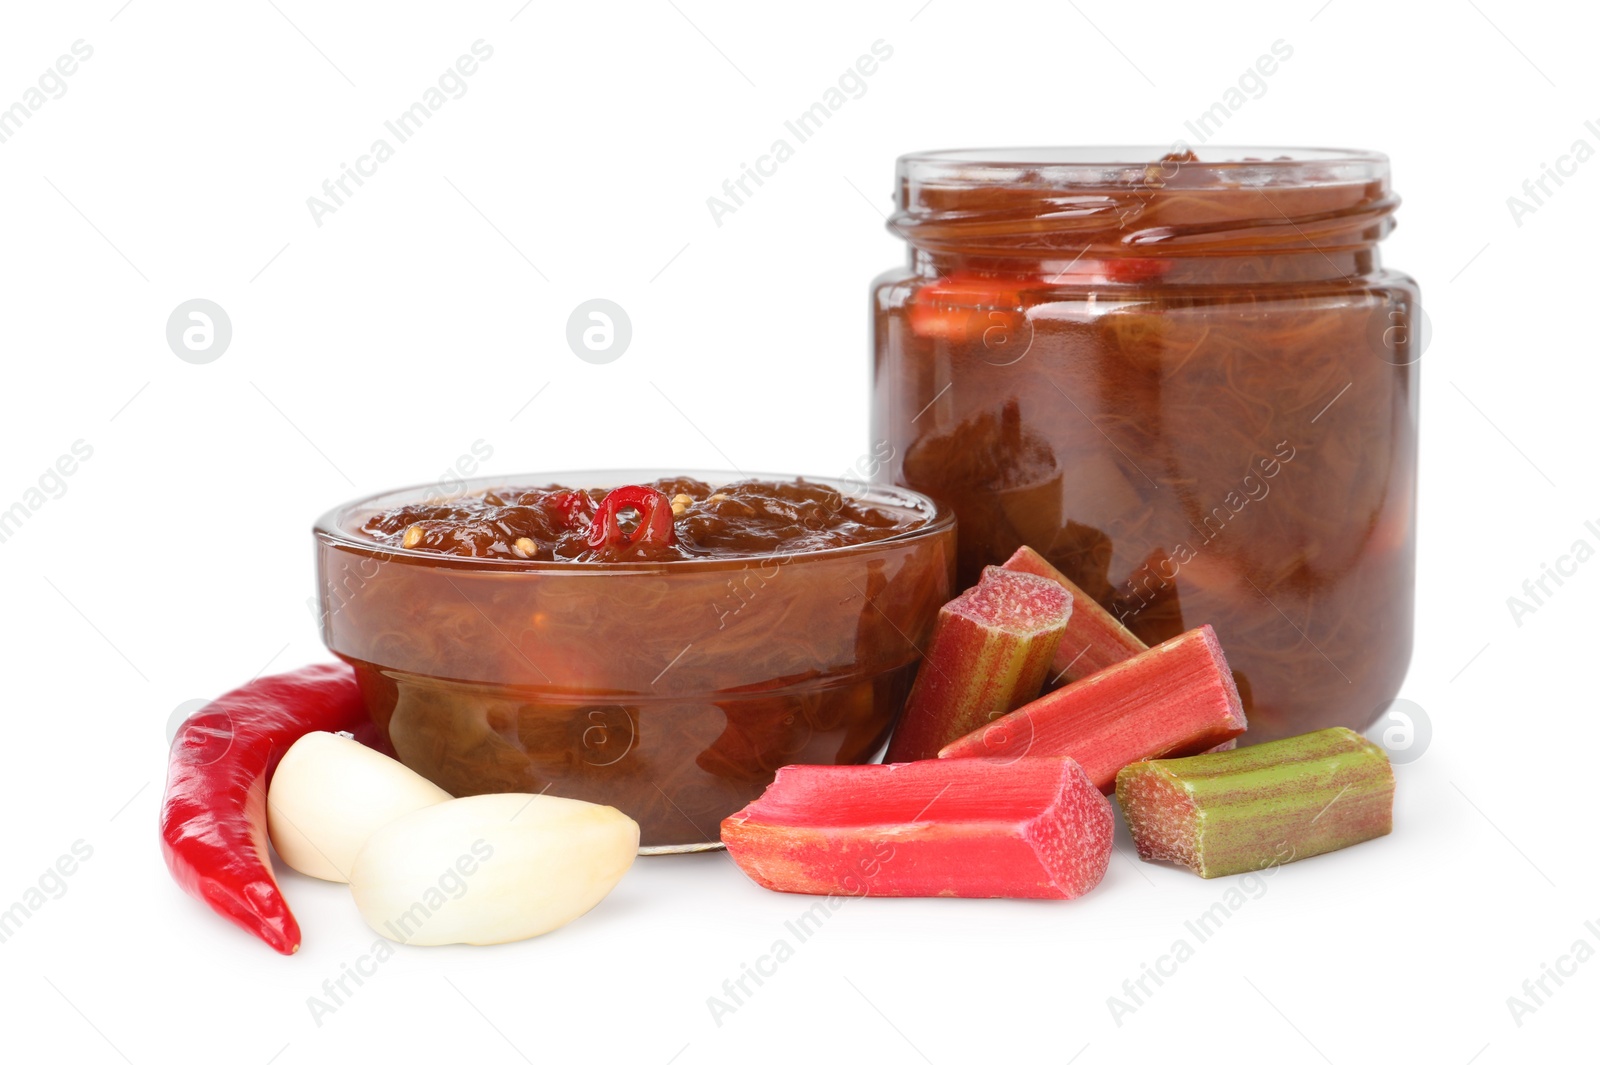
(671, 690)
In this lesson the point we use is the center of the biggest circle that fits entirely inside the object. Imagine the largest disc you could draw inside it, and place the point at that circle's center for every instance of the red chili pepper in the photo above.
(655, 518)
(971, 307)
(571, 506)
(962, 305)
(214, 815)
(1133, 271)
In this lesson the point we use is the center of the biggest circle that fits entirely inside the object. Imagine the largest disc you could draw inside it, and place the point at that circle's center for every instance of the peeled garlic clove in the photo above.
(491, 868)
(330, 794)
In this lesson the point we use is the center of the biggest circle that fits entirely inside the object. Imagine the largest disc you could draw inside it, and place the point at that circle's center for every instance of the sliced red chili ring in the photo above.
(655, 518)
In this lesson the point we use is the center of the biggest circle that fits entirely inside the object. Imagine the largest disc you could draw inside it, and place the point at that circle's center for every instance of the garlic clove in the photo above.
(491, 868)
(329, 794)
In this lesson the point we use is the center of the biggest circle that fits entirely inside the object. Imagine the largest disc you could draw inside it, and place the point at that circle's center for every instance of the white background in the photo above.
(428, 313)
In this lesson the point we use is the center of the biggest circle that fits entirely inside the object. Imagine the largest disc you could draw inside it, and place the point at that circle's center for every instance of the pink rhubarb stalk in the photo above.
(1177, 698)
(965, 828)
(991, 652)
(1094, 638)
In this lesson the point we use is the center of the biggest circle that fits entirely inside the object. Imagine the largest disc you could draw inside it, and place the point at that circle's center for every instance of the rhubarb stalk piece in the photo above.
(1094, 638)
(991, 652)
(964, 828)
(1177, 698)
(1277, 802)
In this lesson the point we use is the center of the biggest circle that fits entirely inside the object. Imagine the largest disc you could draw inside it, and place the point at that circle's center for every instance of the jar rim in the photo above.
(1100, 165)
(1145, 201)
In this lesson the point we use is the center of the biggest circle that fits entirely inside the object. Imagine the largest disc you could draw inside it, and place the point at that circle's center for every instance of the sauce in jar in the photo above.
(1188, 382)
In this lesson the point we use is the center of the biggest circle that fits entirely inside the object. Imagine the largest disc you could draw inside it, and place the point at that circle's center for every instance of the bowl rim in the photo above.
(331, 528)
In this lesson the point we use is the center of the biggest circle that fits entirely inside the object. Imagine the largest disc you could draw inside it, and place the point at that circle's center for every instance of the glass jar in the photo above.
(1187, 381)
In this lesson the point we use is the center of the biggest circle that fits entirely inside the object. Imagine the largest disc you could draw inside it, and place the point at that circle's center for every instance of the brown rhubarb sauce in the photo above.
(662, 647)
(1188, 382)
(745, 519)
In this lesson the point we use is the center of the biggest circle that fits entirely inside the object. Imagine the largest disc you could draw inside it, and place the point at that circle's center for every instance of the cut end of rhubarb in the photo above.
(1177, 698)
(968, 829)
(1232, 706)
(1161, 814)
(1094, 639)
(1018, 604)
(1262, 806)
(991, 652)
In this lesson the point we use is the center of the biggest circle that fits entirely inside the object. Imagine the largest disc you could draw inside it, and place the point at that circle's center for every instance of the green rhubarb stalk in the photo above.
(1094, 638)
(991, 652)
(1236, 811)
